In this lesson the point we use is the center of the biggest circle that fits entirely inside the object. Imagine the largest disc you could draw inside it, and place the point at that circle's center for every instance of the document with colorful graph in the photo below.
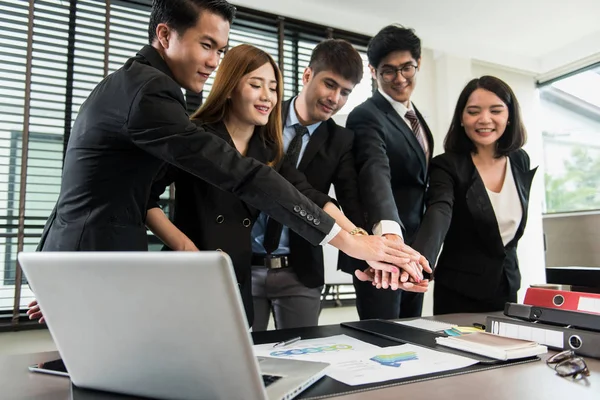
(355, 362)
(330, 349)
(395, 362)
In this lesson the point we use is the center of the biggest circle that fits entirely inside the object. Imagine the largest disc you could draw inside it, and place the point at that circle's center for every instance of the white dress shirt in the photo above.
(507, 206)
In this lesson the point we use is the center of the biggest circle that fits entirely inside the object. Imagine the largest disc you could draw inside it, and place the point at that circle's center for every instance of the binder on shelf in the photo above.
(563, 299)
(583, 342)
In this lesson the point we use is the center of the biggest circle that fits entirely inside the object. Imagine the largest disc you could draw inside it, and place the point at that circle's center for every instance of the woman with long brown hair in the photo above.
(244, 109)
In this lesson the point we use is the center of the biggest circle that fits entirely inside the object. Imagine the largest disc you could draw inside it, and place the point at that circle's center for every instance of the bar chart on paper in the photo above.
(394, 362)
(355, 362)
(330, 349)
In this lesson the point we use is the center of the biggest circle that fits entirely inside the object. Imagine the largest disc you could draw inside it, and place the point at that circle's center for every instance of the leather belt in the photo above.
(271, 261)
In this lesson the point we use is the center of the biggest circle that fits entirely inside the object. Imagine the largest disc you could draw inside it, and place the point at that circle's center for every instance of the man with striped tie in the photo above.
(393, 147)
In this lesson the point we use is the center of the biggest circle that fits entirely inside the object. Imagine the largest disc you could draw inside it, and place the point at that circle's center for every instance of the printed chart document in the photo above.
(355, 362)
(332, 349)
(396, 362)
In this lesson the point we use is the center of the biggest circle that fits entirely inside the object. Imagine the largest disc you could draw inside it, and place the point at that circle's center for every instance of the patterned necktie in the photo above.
(293, 151)
(417, 130)
(274, 228)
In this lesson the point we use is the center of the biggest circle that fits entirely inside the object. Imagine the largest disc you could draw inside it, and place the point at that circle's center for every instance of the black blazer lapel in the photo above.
(219, 129)
(258, 148)
(480, 207)
(399, 123)
(316, 141)
(523, 179)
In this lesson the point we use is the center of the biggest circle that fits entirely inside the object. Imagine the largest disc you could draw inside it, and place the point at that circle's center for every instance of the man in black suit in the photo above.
(135, 120)
(288, 271)
(393, 146)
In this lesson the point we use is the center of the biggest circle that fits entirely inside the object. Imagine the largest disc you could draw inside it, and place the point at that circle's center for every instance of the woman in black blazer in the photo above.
(477, 202)
(243, 109)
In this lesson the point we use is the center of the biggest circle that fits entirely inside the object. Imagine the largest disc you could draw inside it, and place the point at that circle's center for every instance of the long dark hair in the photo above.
(514, 136)
(239, 61)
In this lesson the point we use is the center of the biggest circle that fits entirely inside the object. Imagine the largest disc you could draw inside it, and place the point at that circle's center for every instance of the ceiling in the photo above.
(531, 35)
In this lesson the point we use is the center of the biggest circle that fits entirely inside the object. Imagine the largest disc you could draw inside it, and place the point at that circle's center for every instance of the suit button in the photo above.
(297, 208)
(317, 222)
(246, 222)
(303, 213)
(310, 217)
(220, 219)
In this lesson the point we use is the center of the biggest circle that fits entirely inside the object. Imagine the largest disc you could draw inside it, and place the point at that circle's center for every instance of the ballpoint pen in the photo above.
(287, 342)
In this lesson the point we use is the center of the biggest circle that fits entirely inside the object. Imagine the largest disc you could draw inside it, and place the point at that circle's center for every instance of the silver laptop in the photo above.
(157, 324)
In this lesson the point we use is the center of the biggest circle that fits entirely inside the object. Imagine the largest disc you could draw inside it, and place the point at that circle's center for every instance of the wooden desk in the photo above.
(527, 381)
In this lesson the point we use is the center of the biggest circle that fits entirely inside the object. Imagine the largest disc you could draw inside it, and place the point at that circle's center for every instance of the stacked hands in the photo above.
(393, 264)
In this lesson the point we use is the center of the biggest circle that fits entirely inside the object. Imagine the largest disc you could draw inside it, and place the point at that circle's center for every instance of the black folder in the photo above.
(408, 334)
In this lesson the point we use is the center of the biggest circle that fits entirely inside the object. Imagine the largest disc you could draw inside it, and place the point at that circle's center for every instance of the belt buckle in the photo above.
(274, 262)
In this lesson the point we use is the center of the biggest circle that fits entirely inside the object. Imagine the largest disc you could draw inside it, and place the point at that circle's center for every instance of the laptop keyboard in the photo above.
(268, 379)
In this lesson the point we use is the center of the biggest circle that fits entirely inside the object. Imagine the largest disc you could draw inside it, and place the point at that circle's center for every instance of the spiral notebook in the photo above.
(427, 324)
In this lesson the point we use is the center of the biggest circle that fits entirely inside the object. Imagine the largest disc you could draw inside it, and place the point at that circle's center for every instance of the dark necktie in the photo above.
(417, 130)
(274, 228)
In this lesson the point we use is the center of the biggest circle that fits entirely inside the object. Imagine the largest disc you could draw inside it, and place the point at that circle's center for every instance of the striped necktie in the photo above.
(417, 130)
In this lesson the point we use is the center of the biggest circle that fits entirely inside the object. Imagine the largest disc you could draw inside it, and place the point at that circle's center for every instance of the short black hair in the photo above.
(514, 136)
(393, 38)
(338, 56)
(183, 14)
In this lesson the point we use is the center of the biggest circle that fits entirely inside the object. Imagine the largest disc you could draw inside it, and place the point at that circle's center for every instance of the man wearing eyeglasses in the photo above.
(393, 147)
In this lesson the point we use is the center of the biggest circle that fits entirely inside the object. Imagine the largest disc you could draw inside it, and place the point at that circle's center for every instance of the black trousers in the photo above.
(373, 303)
(448, 301)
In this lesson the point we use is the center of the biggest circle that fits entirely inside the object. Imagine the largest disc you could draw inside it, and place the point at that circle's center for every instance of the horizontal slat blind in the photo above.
(13, 58)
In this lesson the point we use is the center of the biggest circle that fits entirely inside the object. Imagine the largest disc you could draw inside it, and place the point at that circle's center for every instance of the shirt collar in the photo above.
(292, 119)
(399, 107)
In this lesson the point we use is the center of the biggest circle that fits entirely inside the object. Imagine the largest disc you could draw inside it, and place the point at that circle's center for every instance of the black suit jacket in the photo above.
(392, 169)
(132, 122)
(217, 220)
(460, 215)
(328, 159)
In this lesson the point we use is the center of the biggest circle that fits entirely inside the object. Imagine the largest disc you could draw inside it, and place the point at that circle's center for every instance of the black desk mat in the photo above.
(406, 334)
(386, 334)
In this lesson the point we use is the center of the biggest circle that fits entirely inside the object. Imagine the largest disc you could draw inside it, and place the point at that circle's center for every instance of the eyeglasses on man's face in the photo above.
(388, 74)
(568, 364)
